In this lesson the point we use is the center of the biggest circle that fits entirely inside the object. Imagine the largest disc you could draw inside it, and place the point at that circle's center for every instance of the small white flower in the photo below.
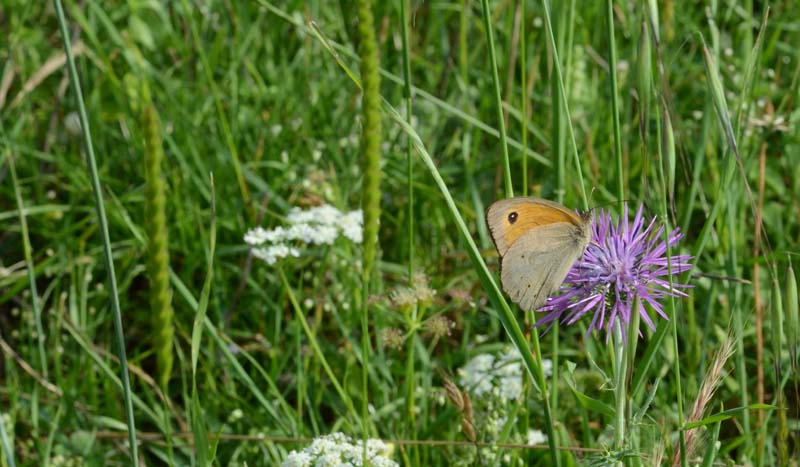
(338, 450)
(273, 253)
(500, 376)
(320, 225)
(276, 129)
(352, 225)
(236, 415)
(536, 437)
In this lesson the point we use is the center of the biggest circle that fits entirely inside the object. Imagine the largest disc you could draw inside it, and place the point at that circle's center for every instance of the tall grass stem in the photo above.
(412, 338)
(113, 293)
(612, 68)
(487, 24)
(563, 94)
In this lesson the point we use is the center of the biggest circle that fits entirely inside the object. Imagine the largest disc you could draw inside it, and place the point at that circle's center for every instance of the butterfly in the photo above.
(538, 242)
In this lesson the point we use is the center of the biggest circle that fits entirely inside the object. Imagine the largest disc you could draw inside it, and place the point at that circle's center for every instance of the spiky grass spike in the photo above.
(158, 245)
(713, 378)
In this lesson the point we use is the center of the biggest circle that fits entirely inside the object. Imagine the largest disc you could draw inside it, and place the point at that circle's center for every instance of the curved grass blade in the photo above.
(725, 415)
(506, 315)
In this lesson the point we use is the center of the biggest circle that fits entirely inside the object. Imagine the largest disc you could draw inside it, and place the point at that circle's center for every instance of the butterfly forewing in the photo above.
(510, 219)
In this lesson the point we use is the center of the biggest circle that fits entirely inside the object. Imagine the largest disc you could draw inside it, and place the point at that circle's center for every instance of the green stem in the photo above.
(101, 214)
(487, 25)
(612, 68)
(412, 338)
(524, 96)
(26, 248)
(620, 380)
(563, 94)
(672, 312)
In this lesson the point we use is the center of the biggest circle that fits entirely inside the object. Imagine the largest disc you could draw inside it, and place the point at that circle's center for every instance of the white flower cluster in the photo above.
(319, 225)
(338, 450)
(499, 375)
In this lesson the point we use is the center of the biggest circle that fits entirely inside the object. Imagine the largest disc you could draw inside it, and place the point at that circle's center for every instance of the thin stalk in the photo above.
(412, 338)
(563, 94)
(315, 347)
(672, 313)
(26, 248)
(612, 67)
(487, 24)
(101, 214)
(620, 382)
(523, 96)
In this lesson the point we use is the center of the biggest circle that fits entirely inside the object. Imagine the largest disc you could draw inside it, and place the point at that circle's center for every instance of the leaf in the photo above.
(725, 415)
(586, 402)
(197, 328)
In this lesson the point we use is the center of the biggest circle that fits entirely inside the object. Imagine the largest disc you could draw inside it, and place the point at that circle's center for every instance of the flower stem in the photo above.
(487, 24)
(620, 380)
(612, 67)
(412, 338)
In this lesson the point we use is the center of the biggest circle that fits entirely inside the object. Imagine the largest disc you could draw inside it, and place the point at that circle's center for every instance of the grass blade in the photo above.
(202, 306)
(7, 449)
(487, 25)
(507, 318)
(101, 214)
(612, 67)
(26, 248)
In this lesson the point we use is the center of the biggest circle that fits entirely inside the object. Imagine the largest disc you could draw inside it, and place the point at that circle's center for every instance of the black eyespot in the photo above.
(512, 217)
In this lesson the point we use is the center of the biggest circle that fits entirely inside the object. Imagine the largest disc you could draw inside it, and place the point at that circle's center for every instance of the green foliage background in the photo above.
(249, 92)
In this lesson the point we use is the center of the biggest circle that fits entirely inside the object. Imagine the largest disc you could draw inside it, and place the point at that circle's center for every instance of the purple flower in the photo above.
(623, 262)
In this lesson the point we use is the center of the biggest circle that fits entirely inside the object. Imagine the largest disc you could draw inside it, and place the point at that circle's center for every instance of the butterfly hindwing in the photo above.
(537, 263)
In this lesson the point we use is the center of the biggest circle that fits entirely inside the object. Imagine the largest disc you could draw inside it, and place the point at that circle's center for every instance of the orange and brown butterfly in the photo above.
(538, 242)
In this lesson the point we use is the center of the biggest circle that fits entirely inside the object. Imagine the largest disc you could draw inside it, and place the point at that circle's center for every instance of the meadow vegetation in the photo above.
(284, 257)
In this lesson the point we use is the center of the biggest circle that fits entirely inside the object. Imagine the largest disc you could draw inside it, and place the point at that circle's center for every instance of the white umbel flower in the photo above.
(501, 375)
(320, 225)
(338, 450)
(273, 253)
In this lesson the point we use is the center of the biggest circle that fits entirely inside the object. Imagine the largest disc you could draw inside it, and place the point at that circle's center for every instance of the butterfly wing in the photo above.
(529, 213)
(537, 263)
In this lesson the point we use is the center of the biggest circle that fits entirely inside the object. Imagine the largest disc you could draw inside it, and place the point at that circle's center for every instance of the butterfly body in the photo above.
(538, 242)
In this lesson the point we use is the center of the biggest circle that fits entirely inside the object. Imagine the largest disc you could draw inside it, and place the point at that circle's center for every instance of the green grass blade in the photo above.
(101, 214)
(498, 100)
(26, 249)
(7, 449)
(202, 306)
(222, 345)
(563, 95)
(612, 67)
(506, 315)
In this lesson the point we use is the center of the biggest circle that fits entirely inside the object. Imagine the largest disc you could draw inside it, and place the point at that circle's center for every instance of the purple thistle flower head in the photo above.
(624, 261)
